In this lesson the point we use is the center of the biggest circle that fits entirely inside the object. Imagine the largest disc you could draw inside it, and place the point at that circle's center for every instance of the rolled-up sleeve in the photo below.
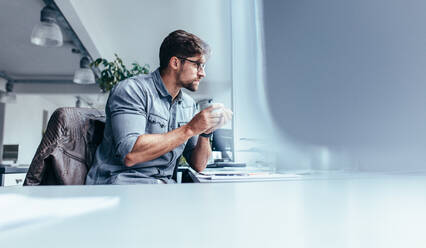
(127, 105)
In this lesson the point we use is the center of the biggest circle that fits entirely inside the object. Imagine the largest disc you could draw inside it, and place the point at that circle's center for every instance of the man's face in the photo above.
(191, 72)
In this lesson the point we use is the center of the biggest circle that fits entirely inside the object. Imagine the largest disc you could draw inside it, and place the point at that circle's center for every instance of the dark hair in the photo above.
(180, 43)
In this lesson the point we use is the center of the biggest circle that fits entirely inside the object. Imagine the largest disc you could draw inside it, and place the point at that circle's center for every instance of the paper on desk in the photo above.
(227, 172)
(18, 210)
(252, 176)
(243, 174)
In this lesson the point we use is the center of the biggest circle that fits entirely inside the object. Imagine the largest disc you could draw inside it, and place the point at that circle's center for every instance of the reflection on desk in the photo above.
(28, 211)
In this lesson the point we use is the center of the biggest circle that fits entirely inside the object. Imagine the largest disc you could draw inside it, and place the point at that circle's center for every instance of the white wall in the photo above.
(23, 125)
(24, 119)
(3, 84)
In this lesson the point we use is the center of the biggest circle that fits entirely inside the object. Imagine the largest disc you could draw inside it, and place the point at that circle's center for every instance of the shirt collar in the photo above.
(161, 88)
(159, 84)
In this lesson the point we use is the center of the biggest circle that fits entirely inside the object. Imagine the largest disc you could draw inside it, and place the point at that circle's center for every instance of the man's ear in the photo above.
(174, 63)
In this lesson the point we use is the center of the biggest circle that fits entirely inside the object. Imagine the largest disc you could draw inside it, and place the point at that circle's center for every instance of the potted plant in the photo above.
(115, 71)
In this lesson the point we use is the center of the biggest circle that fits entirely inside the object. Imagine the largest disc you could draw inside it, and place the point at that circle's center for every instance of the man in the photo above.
(151, 122)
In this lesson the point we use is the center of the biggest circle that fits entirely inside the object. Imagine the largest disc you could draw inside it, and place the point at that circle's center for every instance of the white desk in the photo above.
(349, 211)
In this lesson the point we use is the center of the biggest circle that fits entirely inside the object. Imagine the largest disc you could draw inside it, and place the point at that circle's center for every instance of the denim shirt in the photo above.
(136, 106)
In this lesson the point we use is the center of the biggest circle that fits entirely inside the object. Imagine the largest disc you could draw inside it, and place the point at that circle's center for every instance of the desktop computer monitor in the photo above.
(222, 140)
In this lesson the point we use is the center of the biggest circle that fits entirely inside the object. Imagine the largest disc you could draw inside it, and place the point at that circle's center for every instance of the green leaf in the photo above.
(116, 71)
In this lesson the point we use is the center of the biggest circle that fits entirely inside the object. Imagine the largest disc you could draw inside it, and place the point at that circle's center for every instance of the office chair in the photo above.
(67, 148)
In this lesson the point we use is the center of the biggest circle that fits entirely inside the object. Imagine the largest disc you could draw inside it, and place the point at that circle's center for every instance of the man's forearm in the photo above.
(200, 154)
(150, 146)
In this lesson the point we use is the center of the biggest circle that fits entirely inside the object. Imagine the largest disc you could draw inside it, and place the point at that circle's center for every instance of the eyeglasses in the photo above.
(199, 65)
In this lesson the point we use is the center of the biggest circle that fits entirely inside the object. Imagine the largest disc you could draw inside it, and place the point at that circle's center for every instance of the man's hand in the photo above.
(225, 117)
(210, 119)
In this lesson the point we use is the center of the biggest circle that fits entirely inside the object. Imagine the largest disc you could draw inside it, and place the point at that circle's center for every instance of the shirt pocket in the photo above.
(184, 116)
(156, 124)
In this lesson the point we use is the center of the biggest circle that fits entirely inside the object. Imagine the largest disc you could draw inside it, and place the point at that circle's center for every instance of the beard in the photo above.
(191, 84)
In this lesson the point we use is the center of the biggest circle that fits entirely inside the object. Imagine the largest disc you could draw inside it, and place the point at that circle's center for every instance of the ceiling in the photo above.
(21, 59)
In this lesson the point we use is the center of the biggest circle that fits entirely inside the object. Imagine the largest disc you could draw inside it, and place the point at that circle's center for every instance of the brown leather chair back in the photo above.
(67, 148)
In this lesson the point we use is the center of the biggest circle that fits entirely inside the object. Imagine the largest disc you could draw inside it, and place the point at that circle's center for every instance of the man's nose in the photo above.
(201, 73)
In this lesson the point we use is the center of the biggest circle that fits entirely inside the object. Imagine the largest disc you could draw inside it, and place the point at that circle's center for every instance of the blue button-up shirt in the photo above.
(136, 106)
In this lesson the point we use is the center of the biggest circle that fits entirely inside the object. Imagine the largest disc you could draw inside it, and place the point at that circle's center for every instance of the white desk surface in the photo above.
(349, 211)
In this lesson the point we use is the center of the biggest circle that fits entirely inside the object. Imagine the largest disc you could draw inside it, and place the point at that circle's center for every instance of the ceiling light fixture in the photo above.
(47, 33)
(84, 75)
